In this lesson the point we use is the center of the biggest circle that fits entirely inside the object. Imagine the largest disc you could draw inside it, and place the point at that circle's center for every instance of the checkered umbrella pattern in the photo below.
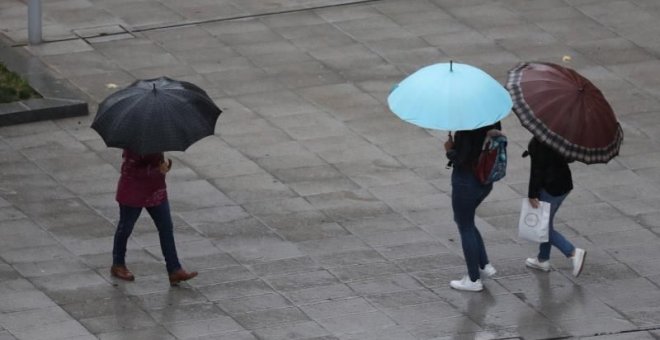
(565, 111)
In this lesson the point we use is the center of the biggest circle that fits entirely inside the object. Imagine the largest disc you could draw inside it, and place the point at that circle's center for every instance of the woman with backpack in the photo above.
(467, 193)
(550, 181)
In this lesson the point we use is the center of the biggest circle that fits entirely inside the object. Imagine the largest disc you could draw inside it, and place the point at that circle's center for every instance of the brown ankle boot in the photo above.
(121, 272)
(181, 275)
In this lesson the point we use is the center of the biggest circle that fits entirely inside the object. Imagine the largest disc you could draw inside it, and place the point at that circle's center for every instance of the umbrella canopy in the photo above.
(450, 96)
(566, 111)
(156, 115)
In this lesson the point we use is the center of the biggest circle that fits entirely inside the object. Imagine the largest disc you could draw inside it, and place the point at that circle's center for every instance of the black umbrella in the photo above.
(156, 115)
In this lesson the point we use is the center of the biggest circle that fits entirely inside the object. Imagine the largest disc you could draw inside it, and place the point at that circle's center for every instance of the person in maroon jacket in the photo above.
(142, 185)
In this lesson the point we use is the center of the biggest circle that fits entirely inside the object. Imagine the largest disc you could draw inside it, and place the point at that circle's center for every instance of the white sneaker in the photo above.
(466, 284)
(578, 261)
(533, 262)
(488, 271)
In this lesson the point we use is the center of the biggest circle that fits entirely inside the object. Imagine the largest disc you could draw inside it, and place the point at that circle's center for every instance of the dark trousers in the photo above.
(161, 216)
(466, 195)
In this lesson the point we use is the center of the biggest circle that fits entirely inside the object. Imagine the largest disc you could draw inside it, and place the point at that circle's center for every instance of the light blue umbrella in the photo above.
(451, 97)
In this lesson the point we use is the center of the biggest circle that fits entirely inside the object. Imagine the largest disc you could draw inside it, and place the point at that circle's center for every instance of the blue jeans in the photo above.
(466, 195)
(163, 220)
(555, 238)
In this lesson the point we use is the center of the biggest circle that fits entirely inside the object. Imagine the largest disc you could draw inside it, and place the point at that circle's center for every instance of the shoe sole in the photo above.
(466, 290)
(584, 258)
(543, 269)
(129, 279)
(176, 283)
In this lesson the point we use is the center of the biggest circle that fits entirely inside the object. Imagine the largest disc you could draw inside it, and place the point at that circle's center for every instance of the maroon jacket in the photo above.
(141, 183)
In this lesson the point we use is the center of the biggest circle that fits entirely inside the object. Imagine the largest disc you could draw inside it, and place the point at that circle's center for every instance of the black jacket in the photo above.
(468, 145)
(549, 171)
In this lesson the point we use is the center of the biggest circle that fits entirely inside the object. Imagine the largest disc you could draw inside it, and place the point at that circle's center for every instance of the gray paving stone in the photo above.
(64, 47)
(165, 299)
(34, 269)
(33, 318)
(214, 215)
(356, 323)
(348, 205)
(393, 238)
(365, 271)
(332, 246)
(4, 335)
(218, 260)
(270, 317)
(285, 266)
(428, 263)
(591, 326)
(235, 289)
(390, 333)
(193, 329)
(410, 316)
(302, 280)
(446, 326)
(66, 296)
(63, 330)
(320, 293)
(301, 330)
(350, 257)
(156, 333)
(25, 300)
(119, 321)
(239, 335)
(248, 304)
(222, 275)
(385, 284)
(187, 312)
(310, 173)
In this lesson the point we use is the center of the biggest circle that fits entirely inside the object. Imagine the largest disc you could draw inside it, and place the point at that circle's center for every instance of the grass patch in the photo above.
(13, 88)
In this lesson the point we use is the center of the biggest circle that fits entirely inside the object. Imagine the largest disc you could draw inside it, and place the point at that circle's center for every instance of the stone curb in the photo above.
(60, 99)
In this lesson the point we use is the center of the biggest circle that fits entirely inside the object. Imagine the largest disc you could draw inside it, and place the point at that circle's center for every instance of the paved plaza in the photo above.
(314, 213)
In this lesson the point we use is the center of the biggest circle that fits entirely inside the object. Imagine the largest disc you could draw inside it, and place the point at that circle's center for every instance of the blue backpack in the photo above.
(491, 164)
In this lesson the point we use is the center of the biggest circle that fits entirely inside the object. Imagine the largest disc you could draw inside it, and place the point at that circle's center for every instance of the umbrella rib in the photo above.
(185, 102)
(119, 121)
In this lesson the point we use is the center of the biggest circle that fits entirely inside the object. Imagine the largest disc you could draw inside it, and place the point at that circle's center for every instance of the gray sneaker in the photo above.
(488, 271)
(533, 262)
(467, 285)
(578, 261)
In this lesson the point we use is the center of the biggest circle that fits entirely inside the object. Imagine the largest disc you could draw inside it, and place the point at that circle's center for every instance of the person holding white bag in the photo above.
(550, 181)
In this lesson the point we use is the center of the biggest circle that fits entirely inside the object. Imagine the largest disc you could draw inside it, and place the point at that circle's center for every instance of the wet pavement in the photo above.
(315, 213)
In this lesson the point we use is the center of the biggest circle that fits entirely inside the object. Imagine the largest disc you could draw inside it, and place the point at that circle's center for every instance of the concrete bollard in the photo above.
(34, 22)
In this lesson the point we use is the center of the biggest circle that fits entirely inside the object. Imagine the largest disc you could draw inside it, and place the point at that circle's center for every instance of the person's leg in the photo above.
(163, 220)
(555, 238)
(466, 195)
(127, 218)
(483, 256)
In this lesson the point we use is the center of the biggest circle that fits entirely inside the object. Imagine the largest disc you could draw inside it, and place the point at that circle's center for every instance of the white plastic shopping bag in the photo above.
(533, 223)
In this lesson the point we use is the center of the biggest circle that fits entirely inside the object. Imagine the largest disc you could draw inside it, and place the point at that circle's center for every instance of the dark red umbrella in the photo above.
(566, 111)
